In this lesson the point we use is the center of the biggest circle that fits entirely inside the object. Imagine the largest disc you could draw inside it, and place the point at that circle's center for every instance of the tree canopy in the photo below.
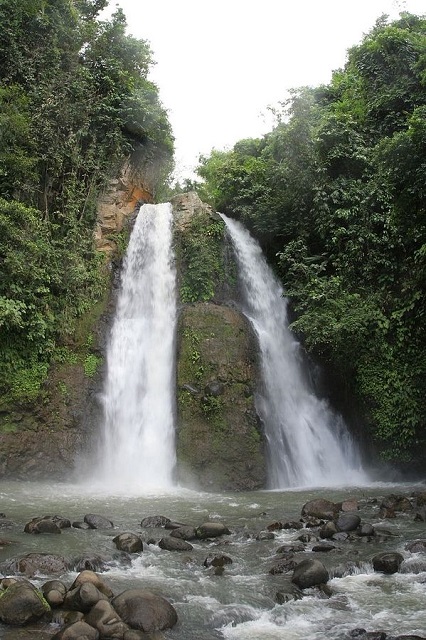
(336, 193)
(75, 102)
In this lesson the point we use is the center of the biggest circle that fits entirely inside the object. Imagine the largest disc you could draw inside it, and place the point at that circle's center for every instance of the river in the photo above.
(241, 603)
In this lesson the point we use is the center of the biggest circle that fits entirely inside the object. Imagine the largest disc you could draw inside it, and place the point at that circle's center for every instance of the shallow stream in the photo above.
(240, 603)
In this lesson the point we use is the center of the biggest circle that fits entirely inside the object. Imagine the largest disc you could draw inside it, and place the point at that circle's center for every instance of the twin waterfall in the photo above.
(138, 448)
(308, 445)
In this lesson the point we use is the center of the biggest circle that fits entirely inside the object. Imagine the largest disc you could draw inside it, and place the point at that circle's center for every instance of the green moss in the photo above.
(91, 364)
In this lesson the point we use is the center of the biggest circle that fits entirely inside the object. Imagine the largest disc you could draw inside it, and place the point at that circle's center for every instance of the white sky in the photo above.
(220, 63)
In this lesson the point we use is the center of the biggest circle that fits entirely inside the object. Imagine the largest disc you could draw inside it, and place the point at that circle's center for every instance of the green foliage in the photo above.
(75, 102)
(336, 193)
(92, 363)
(200, 256)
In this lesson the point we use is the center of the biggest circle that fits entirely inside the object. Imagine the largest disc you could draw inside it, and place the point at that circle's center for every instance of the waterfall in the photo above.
(137, 449)
(308, 443)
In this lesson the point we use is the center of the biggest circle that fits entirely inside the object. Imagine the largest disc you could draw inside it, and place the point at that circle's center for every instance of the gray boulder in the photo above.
(22, 603)
(184, 533)
(103, 617)
(143, 610)
(211, 530)
(174, 544)
(387, 562)
(34, 564)
(77, 631)
(83, 597)
(54, 591)
(93, 578)
(348, 522)
(154, 522)
(320, 508)
(309, 573)
(98, 522)
(129, 542)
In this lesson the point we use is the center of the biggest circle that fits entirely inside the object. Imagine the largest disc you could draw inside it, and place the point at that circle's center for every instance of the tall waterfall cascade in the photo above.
(138, 446)
(308, 443)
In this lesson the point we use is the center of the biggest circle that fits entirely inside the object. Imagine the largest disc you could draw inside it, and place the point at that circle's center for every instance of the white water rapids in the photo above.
(138, 446)
(308, 444)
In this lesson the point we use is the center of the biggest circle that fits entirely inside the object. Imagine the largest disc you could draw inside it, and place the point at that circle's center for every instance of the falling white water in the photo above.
(308, 444)
(138, 449)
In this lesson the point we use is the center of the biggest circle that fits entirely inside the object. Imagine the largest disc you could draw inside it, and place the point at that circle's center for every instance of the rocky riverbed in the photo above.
(236, 573)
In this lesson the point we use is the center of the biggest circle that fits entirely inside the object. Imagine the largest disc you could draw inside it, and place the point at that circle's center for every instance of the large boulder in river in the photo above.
(22, 603)
(98, 522)
(174, 544)
(36, 564)
(129, 542)
(211, 530)
(143, 610)
(103, 617)
(309, 573)
(320, 508)
(387, 562)
(77, 631)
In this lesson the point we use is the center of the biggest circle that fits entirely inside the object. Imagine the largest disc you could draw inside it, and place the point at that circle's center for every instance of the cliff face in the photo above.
(219, 440)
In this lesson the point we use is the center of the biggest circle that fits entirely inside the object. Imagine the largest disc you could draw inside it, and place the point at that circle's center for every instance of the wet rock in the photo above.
(340, 536)
(396, 503)
(211, 530)
(348, 522)
(418, 546)
(174, 525)
(362, 634)
(217, 560)
(22, 603)
(54, 591)
(349, 505)
(174, 544)
(283, 565)
(83, 597)
(98, 563)
(387, 562)
(420, 515)
(184, 533)
(320, 508)
(128, 542)
(309, 573)
(292, 524)
(323, 548)
(151, 522)
(80, 525)
(143, 610)
(98, 522)
(328, 530)
(275, 526)
(103, 617)
(290, 548)
(366, 529)
(307, 537)
(42, 525)
(33, 564)
(265, 535)
(288, 593)
(77, 631)
(93, 578)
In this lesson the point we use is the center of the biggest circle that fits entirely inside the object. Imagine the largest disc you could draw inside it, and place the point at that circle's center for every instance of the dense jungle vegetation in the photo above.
(336, 193)
(75, 102)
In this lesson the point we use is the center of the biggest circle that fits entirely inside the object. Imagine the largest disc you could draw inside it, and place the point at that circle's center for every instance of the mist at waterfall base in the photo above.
(137, 449)
(308, 444)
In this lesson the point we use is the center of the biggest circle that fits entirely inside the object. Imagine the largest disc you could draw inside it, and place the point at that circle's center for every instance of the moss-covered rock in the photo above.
(219, 441)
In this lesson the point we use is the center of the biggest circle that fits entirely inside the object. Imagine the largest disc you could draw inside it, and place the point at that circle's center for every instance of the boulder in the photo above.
(154, 522)
(265, 535)
(366, 529)
(291, 548)
(83, 597)
(103, 617)
(79, 630)
(93, 578)
(22, 603)
(174, 544)
(348, 522)
(129, 542)
(283, 565)
(33, 564)
(349, 505)
(217, 560)
(387, 562)
(309, 573)
(320, 508)
(54, 591)
(184, 533)
(417, 546)
(98, 522)
(80, 525)
(43, 524)
(211, 530)
(287, 593)
(143, 610)
(328, 529)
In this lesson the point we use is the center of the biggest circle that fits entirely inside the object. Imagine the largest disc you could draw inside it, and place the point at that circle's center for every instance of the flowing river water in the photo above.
(239, 604)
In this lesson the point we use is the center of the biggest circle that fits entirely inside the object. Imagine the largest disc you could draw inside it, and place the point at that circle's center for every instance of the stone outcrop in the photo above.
(219, 436)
